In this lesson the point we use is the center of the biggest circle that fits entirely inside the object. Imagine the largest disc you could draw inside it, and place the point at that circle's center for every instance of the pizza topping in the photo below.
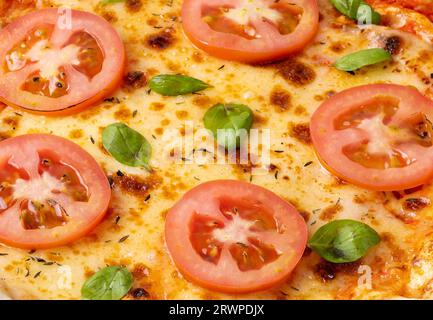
(357, 10)
(160, 41)
(376, 136)
(250, 30)
(176, 85)
(393, 45)
(51, 192)
(416, 204)
(135, 80)
(45, 67)
(357, 60)
(235, 237)
(110, 283)
(295, 72)
(126, 145)
(342, 241)
(229, 123)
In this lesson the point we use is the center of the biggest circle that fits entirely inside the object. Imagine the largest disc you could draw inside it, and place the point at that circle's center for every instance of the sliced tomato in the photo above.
(250, 30)
(52, 192)
(54, 61)
(235, 237)
(376, 136)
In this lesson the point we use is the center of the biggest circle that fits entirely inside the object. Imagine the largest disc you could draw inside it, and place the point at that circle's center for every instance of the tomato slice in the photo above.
(250, 30)
(52, 192)
(376, 136)
(51, 63)
(235, 237)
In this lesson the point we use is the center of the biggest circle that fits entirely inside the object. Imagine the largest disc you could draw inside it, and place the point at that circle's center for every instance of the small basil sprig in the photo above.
(126, 145)
(362, 58)
(226, 122)
(343, 241)
(357, 10)
(176, 84)
(110, 283)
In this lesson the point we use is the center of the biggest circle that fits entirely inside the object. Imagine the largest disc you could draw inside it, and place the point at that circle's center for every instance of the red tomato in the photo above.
(235, 237)
(53, 63)
(52, 192)
(376, 136)
(250, 31)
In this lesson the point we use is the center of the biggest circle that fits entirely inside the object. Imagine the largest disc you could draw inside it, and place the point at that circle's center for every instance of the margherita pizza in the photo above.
(216, 149)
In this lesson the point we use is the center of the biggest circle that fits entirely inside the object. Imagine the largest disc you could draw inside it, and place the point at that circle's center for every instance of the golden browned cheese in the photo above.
(283, 97)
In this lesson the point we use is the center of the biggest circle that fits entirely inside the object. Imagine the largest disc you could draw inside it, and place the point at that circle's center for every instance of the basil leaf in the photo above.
(127, 145)
(343, 241)
(110, 283)
(176, 85)
(347, 7)
(362, 58)
(226, 121)
(357, 10)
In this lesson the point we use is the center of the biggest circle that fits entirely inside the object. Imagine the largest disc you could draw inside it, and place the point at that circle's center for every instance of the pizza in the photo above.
(216, 149)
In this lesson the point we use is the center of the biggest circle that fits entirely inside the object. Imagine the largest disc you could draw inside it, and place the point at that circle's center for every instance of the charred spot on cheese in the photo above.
(76, 134)
(133, 5)
(281, 99)
(135, 185)
(135, 80)
(328, 271)
(197, 57)
(301, 132)
(139, 294)
(123, 114)
(156, 106)
(12, 121)
(393, 45)
(338, 46)
(416, 204)
(202, 101)
(161, 40)
(295, 72)
(182, 114)
(330, 212)
(110, 16)
(140, 271)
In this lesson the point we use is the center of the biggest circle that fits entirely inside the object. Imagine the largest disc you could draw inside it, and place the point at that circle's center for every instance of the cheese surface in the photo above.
(283, 97)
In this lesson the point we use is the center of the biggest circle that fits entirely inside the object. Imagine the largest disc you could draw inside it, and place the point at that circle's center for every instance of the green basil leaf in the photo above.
(362, 58)
(357, 10)
(347, 7)
(343, 241)
(176, 85)
(127, 145)
(226, 121)
(366, 15)
(110, 283)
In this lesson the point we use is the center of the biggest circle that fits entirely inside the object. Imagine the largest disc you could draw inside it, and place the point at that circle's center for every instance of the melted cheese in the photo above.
(252, 10)
(37, 189)
(312, 189)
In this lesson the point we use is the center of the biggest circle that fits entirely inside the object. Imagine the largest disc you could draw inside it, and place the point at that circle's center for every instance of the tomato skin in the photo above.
(84, 218)
(88, 94)
(232, 47)
(205, 198)
(328, 142)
